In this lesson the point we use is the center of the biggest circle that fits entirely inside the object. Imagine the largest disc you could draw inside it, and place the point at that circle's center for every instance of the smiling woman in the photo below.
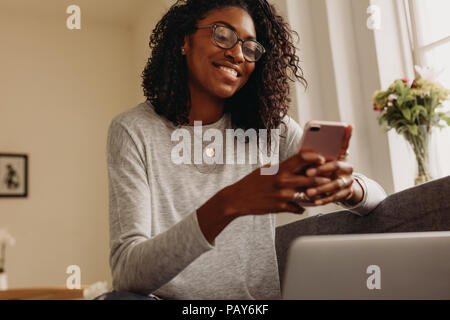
(214, 73)
(259, 104)
(179, 231)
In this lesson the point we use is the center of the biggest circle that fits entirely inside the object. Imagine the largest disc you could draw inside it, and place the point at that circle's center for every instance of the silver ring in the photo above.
(344, 183)
(300, 197)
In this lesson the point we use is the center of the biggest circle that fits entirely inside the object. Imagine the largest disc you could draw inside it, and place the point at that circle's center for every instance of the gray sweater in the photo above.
(155, 240)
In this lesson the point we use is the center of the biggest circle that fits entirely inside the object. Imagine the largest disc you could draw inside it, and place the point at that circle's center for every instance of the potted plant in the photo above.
(413, 109)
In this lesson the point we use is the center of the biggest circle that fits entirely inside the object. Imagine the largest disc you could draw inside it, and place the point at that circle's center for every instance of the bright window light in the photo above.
(432, 27)
(433, 20)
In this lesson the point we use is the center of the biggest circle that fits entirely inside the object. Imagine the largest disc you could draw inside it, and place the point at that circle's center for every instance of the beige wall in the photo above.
(59, 90)
(142, 27)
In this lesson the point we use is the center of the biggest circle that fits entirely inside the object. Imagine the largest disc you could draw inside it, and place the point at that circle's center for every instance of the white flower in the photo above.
(428, 73)
(390, 104)
(392, 97)
(7, 238)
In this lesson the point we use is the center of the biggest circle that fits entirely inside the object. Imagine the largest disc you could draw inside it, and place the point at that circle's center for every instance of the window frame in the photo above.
(417, 50)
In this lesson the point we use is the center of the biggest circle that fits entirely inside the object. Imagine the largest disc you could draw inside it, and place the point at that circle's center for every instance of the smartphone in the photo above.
(328, 138)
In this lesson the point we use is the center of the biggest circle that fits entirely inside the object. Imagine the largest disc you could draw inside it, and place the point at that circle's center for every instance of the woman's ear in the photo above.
(185, 47)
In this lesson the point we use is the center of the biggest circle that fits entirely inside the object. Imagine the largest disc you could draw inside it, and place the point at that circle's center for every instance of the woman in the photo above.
(206, 231)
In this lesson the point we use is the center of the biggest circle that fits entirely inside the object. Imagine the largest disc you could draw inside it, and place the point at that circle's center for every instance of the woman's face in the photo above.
(208, 64)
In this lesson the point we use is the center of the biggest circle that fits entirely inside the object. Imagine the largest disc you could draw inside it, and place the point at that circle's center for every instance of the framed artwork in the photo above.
(13, 175)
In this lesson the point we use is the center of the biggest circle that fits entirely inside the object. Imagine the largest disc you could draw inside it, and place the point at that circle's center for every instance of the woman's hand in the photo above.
(340, 188)
(260, 194)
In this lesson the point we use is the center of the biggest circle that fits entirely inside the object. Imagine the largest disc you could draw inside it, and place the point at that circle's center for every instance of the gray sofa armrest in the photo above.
(421, 208)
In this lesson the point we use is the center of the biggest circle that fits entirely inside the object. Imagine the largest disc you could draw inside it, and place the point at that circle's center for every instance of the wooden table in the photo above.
(43, 293)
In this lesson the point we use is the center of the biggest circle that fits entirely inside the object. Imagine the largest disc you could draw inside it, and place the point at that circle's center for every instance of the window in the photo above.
(429, 27)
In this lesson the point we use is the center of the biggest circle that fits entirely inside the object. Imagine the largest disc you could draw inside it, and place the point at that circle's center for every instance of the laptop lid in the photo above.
(413, 265)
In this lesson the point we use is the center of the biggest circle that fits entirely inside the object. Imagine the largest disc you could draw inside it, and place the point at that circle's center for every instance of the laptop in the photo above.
(413, 265)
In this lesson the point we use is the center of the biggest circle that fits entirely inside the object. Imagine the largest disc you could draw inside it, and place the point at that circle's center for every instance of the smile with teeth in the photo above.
(229, 70)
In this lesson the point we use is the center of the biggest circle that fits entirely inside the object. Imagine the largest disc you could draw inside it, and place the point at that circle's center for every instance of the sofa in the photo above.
(422, 208)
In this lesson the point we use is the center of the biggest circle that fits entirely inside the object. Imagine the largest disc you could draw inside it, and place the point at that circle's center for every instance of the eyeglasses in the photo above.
(226, 38)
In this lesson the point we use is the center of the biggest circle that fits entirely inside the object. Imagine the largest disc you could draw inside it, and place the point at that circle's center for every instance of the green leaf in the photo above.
(434, 101)
(406, 113)
(416, 111)
(413, 129)
(399, 87)
(382, 95)
(446, 119)
(409, 97)
(421, 109)
(399, 123)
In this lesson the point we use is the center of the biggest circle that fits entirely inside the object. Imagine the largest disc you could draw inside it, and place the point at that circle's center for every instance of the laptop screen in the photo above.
(413, 265)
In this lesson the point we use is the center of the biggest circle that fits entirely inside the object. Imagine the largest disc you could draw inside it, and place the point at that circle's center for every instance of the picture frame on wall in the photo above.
(13, 175)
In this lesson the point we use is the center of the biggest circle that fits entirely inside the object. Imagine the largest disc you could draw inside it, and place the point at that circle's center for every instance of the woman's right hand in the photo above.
(262, 194)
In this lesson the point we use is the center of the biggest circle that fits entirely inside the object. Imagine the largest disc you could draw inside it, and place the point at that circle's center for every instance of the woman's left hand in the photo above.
(340, 188)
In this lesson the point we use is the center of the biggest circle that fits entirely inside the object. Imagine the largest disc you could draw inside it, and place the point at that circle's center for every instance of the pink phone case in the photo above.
(328, 138)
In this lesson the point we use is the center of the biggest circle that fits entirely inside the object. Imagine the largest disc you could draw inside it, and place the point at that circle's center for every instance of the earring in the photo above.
(183, 51)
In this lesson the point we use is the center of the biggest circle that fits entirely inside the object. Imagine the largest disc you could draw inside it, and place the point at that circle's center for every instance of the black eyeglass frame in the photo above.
(215, 26)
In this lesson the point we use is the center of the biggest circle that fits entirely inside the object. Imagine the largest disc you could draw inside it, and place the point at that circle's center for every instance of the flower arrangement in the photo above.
(413, 110)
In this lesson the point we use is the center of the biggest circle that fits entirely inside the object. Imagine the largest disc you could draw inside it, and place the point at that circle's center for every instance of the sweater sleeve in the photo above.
(373, 195)
(139, 261)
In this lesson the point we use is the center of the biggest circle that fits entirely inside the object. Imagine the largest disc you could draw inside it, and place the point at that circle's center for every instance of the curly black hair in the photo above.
(261, 103)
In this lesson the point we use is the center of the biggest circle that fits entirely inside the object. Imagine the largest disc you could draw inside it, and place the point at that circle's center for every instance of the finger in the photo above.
(340, 195)
(344, 147)
(300, 159)
(332, 186)
(308, 159)
(298, 181)
(337, 167)
(291, 207)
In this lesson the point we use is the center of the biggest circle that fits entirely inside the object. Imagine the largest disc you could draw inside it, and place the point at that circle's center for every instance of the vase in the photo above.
(420, 145)
(3, 281)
